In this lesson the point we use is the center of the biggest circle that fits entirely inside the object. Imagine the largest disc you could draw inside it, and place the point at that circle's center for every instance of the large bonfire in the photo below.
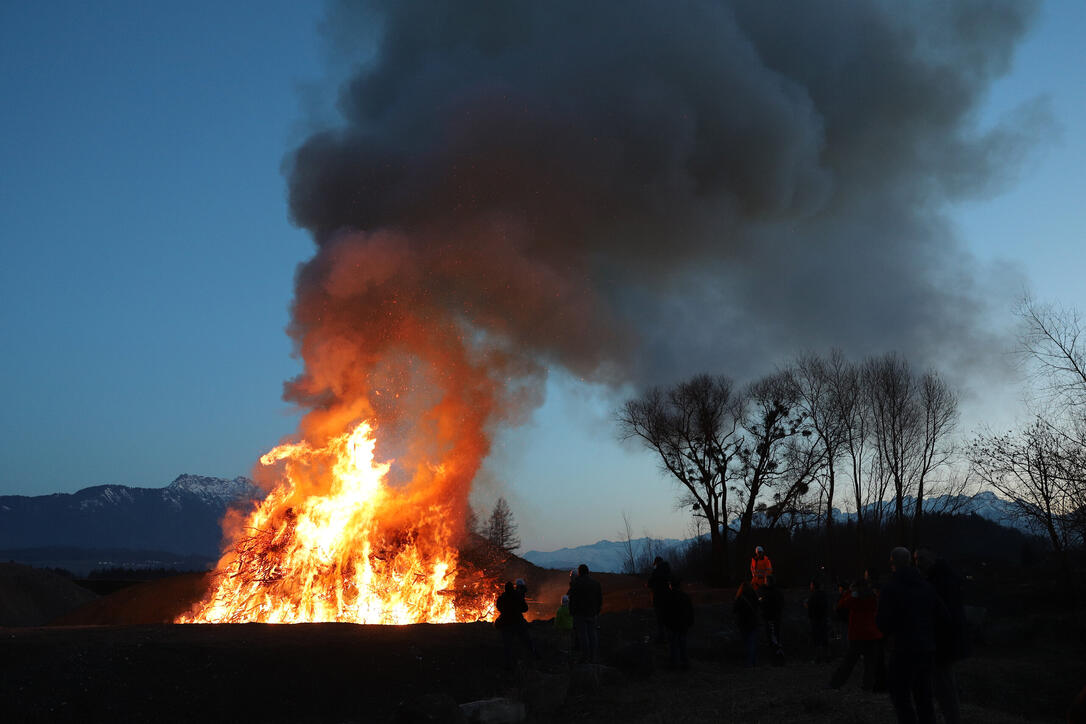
(304, 557)
(364, 515)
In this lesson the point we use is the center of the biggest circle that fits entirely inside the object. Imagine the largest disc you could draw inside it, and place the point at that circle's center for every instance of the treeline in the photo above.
(785, 449)
(803, 553)
(123, 573)
(874, 436)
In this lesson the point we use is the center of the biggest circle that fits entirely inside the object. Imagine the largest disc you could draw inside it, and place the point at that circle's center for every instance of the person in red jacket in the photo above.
(864, 638)
(761, 568)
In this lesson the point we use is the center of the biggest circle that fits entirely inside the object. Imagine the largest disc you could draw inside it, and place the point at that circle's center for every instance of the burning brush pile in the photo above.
(341, 556)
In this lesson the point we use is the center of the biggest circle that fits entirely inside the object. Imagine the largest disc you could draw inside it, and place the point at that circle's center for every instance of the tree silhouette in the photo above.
(693, 427)
(501, 529)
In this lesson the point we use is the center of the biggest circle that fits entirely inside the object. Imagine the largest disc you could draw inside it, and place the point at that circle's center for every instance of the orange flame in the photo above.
(304, 557)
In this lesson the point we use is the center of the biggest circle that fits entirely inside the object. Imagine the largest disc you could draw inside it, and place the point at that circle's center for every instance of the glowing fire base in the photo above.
(326, 557)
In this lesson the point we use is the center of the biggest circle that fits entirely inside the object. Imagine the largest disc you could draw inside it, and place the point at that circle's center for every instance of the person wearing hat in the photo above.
(761, 568)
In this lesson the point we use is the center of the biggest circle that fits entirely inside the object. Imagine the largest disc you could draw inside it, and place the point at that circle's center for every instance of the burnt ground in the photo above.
(1027, 668)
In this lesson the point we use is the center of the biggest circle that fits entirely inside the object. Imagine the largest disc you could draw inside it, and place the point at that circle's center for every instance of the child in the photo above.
(563, 620)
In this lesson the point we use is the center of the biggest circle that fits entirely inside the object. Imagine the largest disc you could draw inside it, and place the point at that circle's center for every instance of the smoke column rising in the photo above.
(634, 191)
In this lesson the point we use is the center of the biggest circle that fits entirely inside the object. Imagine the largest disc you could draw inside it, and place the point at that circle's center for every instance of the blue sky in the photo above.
(148, 259)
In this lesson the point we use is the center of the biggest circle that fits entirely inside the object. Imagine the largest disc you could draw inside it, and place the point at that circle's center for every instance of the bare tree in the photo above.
(692, 426)
(771, 459)
(501, 529)
(1051, 340)
(851, 407)
(638, 559)
(629, 554)
(827, 400)
(895, 418)
(1041, 472)
(938, 409)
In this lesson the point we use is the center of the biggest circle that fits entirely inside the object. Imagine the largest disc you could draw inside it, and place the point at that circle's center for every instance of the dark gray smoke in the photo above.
(639, 190)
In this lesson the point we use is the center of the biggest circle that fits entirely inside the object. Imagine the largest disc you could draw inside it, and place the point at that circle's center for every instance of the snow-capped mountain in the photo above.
(183, 517)
(605, 555)
(214, 489)
(986, 504)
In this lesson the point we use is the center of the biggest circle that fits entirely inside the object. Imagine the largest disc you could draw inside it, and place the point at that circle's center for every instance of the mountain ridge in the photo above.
(183, 517)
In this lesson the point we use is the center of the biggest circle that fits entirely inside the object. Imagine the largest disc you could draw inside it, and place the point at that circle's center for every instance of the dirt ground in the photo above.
(1028, 669)
(34, 597)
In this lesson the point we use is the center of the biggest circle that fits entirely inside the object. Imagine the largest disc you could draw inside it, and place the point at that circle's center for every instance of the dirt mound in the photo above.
(33, 597)
(158, 601)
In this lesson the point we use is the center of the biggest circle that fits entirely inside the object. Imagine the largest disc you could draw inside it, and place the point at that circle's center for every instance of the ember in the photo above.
(305, 557)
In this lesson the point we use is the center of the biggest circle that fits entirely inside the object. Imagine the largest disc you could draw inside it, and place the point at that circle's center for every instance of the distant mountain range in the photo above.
(986, 504)
(609, 556)
(606, 555)
(180, 525)
(182, 518)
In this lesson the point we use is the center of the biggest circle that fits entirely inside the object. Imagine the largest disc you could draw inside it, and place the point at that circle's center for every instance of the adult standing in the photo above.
(745, 609)
(773, 612)
(678, 617)
(908, 613)
(659, 583)
(818, 618)
(585, 602)
(951, 639)
(511, 605)
(864, 638)
(761, 568)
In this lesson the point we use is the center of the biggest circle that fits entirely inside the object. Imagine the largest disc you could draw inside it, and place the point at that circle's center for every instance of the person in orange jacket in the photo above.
(761, 568)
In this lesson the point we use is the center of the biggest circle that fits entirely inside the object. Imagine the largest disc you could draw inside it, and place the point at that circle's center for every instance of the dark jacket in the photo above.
(817, 606)
(678, 611)
(952, 637)
(772, 603)
(660, 583)
(908, 612)
(745, 609)
(511, 606)
(585, 596)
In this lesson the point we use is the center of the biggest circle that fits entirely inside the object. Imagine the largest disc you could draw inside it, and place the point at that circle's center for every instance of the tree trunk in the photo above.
(743, 538)
(899, 511)
(829, 523)
(719, 541)
(918, 514)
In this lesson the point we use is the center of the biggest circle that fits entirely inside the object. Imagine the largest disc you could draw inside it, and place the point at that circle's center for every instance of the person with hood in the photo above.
(585, 603)
(511, 605)
(761, 568)
(745, 610)
(678, 618)
(864, 638)
(659, 583)
(909, 612)
(951, 639)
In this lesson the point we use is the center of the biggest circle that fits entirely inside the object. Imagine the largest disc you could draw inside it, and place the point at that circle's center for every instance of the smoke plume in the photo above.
(634, 191)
